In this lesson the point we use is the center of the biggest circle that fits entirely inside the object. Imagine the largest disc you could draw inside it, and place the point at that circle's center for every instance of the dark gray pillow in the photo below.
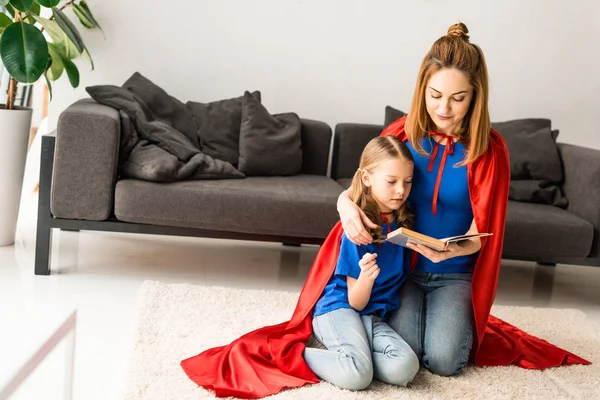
(536, 167)
(524, 126)
(270, 145)
(532, 191)
(532, 149)
(218, 126)
(391, 115)
(163, 106)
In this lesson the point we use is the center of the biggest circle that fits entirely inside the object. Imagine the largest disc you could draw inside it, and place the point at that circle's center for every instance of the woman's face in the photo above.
(447, 97)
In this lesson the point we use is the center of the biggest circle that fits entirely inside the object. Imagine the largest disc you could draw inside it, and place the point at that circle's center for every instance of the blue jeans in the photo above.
(359, 348)
(436, 319)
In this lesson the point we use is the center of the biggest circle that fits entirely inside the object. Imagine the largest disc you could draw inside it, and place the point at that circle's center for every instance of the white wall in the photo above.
(344, 61)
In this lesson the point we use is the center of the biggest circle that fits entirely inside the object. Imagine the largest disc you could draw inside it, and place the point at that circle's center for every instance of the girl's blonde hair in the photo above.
(454, 51)
(377, 151)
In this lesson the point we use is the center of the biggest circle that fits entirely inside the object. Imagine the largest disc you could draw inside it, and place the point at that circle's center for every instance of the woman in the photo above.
(460, 184)
(449, 116)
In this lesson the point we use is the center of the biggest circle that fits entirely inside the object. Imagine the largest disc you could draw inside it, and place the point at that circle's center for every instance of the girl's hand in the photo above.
(453, 250)
(368, 267)
(353, 222)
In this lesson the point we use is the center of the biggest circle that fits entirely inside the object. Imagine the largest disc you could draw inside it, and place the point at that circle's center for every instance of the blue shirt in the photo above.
(394, 265)
(454, 212)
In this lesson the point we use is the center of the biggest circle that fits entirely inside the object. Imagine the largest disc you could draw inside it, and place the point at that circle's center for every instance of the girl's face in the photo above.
(390, 183)
(447, 97)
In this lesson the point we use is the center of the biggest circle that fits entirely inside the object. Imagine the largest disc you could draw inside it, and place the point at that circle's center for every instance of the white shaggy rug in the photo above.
(176, 321)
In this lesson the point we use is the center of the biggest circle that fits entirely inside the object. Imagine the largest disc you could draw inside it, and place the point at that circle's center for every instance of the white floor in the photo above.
(98, 274)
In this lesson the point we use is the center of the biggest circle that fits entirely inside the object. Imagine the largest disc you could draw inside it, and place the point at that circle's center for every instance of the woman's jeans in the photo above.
(359, 348)
(436, 319)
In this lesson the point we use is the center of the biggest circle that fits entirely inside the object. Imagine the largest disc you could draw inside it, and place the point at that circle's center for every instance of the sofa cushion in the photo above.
(392, 114)
(162, 106)
(525, 125)
(270, 145)
(534, 157)
(300, 205)
(345, 182)
(532, 149)
(534, 229)
(218, 125)
(532, 191)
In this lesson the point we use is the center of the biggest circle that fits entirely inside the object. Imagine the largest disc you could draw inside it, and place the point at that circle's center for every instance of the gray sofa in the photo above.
(80, 189)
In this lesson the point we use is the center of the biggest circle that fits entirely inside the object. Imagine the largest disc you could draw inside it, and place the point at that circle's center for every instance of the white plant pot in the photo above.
(15, 126)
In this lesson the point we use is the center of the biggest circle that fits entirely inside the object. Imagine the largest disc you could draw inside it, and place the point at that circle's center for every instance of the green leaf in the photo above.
(87, 55)
(4, 22)
(48, 3)
(85, 21)
(24, 52)
(56, 67)
(23, 5)
(67, 26)
(49, 85)
(72, 71)
(35, 9)
(88, 13)
(59, 37)
(10, 10)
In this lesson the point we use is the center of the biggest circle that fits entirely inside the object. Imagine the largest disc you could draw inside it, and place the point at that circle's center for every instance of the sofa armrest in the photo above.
(85, 161)
(316, 144)
(348, 143)
(582, 186)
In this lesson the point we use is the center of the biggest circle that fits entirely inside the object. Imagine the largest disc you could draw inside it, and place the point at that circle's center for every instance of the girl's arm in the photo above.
(354, 220)
(359, 290)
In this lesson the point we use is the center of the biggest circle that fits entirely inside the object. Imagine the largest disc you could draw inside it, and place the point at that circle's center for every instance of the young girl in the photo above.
(350, 318)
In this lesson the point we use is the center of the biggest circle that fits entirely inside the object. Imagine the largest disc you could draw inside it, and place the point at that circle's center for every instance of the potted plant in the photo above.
(37, 40)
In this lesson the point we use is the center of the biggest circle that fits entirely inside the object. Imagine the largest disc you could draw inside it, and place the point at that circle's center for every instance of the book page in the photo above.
(465, 237)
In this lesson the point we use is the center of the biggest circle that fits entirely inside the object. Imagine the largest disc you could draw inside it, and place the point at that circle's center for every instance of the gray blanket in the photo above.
(159, 141)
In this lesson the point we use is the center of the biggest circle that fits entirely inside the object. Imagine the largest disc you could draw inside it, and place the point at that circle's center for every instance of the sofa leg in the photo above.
(43, 249)
(543, 282)
(547, 264)
(289, 266)
(43, 246)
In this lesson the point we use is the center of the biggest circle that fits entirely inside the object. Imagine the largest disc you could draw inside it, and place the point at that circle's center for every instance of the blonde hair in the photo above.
(454, 51)
(377, 151)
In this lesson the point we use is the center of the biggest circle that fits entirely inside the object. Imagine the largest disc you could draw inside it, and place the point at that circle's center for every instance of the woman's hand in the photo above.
(463, 248)
(354, 220)
(453, 250)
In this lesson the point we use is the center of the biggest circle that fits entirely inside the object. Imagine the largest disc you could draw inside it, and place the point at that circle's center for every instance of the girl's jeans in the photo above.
(359, 348)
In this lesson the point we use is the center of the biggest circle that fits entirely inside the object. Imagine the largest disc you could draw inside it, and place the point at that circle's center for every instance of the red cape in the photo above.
(269, 359)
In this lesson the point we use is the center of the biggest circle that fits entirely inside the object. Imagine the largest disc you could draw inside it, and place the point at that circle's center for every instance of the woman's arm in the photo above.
(354, 220)
(463, 248)
(470, 246)
(359, 290)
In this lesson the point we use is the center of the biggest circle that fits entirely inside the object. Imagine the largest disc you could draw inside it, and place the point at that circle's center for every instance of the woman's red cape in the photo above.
(269, 359)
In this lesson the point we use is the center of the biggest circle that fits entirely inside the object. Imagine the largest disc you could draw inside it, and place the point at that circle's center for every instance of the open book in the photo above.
(401, 235)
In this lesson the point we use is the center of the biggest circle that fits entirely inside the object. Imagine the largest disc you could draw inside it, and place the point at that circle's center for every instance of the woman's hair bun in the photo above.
(459, 30)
